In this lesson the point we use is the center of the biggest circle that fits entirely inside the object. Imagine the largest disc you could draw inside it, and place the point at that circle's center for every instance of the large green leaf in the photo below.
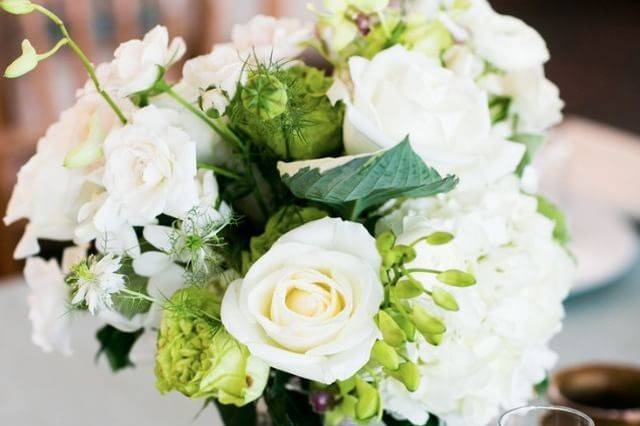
(367, 181)
(116, 345)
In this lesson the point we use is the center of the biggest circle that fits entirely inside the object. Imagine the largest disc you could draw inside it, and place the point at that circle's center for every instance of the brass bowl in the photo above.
(608, 393)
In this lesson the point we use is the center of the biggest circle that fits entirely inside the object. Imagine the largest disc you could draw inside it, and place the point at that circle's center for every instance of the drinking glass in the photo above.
(545, 416)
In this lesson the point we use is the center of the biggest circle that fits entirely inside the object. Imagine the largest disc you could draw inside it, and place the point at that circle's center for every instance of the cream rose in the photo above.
(150, 169)
(137, 63)
(307, 306)
(400, 93)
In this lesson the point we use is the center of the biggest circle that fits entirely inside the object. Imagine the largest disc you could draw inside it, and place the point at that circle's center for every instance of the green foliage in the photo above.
(283, 221)
(560, 230)
(238, 416)
(499, 108)
(116, 346)
(309, 126)
(532, 143)
(127, 305)
(288, 407)
(371, 180)
(197, 357)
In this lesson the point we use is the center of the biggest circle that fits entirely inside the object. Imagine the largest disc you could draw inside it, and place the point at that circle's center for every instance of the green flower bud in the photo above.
(391, 331)
(197, 357)
(444, 299)
(390, 258)
(426, 323)
(385, 355)
(408, 374)
(408, 254)
(17, 7)
(434, 339)
(439, 238)
(385, 241)
(408, 288)
(456, 278)
(265, 96)
(346, 386)
(368, 405)
(90, 150)
(428, 37)
(406, 325)
(25, 63)
(308, 126)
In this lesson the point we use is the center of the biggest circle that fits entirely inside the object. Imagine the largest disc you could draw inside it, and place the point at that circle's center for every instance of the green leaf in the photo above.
(288, 408)
(116, 345)
(130, 306)
(17, 7)
(499, 108)
(560, 230)
(367, 181)
(532, 143)
(456, 278)
(238, 416)
(25, 63)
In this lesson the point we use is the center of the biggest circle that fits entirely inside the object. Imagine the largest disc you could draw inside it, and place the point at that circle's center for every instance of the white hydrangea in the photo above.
(496, 346)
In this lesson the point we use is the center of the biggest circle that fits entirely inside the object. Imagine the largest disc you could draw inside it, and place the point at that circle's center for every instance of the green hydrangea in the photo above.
(284, 220)
(197, 357)
(309, 126)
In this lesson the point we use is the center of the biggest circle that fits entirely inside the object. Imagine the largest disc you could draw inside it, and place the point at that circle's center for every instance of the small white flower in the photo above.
(96, 281)
(307, 306)
(271, 38)
(137, 63)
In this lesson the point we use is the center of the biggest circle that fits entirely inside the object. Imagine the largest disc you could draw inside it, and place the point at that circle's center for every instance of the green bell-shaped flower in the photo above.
(197, 357)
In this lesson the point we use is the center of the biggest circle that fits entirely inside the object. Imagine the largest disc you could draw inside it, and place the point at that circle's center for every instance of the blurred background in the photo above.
(591, 168)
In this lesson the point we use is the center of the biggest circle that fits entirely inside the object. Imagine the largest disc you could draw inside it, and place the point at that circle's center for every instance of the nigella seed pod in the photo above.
(265, 96)
(321, 401)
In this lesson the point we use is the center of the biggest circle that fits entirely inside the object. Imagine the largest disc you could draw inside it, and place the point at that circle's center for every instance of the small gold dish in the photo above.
(608, 393)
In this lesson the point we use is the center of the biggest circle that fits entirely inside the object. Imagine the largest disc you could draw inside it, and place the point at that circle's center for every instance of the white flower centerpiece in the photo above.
(363, 245)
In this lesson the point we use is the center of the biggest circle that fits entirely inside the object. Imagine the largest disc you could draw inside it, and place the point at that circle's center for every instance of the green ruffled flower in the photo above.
(287, 112)
(197, 357)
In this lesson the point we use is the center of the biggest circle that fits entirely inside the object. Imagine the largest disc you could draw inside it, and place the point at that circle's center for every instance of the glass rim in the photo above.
(556, 408)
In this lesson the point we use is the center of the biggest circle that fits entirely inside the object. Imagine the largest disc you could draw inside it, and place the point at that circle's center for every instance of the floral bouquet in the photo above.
(354, 238)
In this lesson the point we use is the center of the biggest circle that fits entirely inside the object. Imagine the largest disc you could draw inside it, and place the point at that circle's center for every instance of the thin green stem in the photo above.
(55, 48)
(138, 295)
(220, 171)
(217, 126)
(83, 58)
(424, 270)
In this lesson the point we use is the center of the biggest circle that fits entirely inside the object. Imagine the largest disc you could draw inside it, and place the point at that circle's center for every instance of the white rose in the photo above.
(307, 306)
(271, 38)
(150, 169)
(137, 63)
(49, 300)
(504, 41)
(446, 116)
(49, 194)
(496, 347)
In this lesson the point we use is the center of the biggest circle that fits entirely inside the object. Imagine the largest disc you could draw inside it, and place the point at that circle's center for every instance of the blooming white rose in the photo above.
(137, 63)
(150, 169)
(49, 194)
(49, 299)
(400, 93)
(307, 306)
(272, 38)
(496, 346)
(504, 41)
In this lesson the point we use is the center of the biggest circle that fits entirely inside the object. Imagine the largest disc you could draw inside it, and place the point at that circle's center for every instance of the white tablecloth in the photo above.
(50, 390)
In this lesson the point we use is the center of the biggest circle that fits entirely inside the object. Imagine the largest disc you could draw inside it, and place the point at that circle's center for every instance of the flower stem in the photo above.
(83, 58)
(220, 171)
(138, 295)
(418, 270)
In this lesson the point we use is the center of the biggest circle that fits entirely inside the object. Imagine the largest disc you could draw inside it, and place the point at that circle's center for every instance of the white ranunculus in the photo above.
(150, 169)
(137, 63)
(446, 116)
(307, 306)
(49, 300)
(49, 194)
(496, 347)
(272, 38)
(505, 41)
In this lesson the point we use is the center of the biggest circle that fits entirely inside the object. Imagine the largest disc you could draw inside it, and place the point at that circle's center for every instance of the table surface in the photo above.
(50, 390)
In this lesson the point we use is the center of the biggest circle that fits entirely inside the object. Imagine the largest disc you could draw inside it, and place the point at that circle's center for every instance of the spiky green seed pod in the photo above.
(265, 96)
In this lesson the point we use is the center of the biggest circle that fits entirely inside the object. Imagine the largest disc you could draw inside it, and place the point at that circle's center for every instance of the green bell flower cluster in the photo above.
(286, 111)
(198, 358)
(400, 320)
(281, 222)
